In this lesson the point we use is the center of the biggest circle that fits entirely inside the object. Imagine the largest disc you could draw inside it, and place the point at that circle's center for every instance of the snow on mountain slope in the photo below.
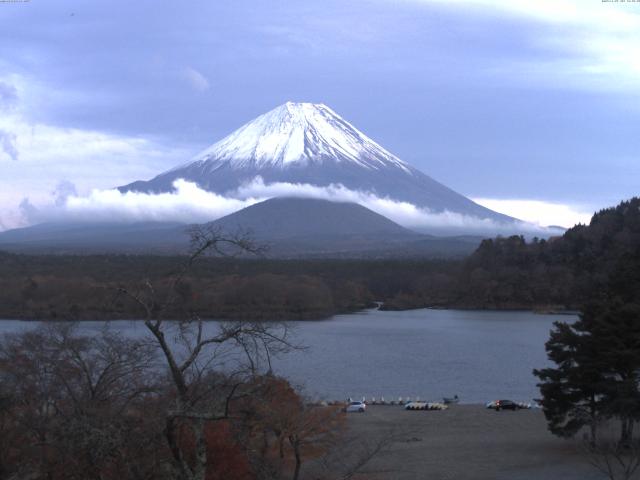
(297, 133)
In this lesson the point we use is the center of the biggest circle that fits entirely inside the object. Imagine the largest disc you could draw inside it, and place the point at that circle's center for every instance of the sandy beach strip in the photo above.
(469, 442)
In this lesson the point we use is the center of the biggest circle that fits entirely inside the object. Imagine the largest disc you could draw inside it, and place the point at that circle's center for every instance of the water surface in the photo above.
(478, 355)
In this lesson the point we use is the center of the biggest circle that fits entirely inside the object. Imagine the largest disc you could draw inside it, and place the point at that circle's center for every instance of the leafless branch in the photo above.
(616, 461)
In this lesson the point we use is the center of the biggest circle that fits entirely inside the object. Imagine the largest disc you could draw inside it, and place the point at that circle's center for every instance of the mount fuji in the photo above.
(307, 143)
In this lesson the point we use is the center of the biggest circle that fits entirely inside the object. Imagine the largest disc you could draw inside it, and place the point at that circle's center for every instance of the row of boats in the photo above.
(408, 401)
(418, 404)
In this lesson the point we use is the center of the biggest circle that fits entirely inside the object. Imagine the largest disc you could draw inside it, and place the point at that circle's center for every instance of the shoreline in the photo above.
(537, 309)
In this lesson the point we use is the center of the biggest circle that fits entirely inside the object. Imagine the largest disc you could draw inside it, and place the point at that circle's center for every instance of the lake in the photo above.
(478, 355)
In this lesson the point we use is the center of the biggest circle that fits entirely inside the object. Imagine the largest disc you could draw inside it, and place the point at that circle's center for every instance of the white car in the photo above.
(356, 407)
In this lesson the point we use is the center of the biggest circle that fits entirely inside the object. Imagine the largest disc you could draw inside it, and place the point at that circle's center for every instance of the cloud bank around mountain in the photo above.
(533, 211)
(190, 204)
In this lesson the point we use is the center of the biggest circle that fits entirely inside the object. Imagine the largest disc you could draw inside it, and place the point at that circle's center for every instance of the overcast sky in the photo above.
(531, 107)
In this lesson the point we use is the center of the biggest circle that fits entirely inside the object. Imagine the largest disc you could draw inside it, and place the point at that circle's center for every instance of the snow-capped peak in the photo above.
(297, 133)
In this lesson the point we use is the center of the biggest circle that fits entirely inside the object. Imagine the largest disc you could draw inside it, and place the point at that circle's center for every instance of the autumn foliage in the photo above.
(77, 407)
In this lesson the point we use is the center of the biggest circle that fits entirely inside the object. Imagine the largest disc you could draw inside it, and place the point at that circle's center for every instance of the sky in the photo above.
(529, 107)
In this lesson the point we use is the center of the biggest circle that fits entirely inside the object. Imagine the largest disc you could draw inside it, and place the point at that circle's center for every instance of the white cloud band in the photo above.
(191, 204)
(539, 212)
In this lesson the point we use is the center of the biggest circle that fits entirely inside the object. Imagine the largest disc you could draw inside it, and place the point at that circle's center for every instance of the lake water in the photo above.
(478, 355)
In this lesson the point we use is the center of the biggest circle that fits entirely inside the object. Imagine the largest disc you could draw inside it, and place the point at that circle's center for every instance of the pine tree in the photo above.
(597, 373)
(572, 391)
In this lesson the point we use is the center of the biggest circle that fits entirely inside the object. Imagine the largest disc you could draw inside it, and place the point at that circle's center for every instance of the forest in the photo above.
(556, 274)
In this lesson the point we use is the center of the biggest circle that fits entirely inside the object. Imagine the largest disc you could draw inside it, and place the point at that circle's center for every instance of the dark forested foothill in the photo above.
(594, 381)
(555, 274)
(560, 273)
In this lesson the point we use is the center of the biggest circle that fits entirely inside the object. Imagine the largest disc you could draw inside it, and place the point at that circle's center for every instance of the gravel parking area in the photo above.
(469, 442)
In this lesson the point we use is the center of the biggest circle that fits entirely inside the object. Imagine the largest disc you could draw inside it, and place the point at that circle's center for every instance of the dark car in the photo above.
(503, 405)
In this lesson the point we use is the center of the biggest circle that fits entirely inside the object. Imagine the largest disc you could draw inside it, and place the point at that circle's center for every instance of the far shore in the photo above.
(537, 311)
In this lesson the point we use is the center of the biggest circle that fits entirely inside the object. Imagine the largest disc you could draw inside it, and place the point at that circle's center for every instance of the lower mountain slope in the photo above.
(288, 217)
(89, 237)
(306, 227)
(287, 227)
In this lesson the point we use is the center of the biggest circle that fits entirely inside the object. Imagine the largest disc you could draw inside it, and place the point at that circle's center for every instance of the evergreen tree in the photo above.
(572, 391)
(597, 373)
(615, 328)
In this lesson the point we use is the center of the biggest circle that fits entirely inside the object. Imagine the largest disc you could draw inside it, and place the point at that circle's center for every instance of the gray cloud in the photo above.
(8, 102)
(8, 144)
(30, 212)
(64, 189)
(196, 79)
(8, 96)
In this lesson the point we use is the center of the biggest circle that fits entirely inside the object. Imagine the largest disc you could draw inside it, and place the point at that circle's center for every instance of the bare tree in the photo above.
(76, 402)
(194, 350)
(352, 456)
(615, 459)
